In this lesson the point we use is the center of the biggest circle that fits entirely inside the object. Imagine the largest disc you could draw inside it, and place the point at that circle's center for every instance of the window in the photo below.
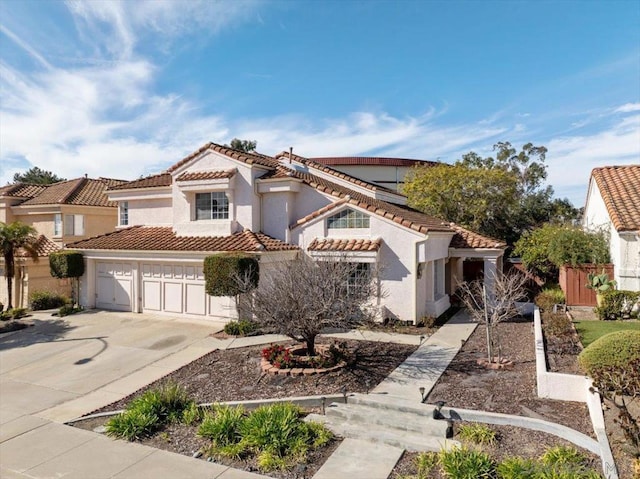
(358, 278)
(348, 219)
(74, 225)
(124, 213)
(57, 224)
(212, 206)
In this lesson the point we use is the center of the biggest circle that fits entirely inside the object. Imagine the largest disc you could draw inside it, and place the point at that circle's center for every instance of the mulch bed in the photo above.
(509, 444)
(467, 385)
(235, 375)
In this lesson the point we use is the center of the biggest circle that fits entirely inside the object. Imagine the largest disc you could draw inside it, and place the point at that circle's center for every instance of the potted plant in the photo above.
(600, 283)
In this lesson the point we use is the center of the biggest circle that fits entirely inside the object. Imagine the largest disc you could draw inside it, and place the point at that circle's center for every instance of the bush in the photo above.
(463, 463)
(192, 414)
(614, 350)
(548, 297)
(222, 272)
(68, 309)
(147, 412)
(562, 455)
(517, 468)
(619, 304)
(558, 325)
(66, 264)
(222, 425)
(243, 327)
(480, 434)
(40, 300)
(425, 462)
(13, 313)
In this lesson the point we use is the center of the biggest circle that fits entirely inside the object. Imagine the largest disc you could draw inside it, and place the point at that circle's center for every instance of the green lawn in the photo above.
(589, 331)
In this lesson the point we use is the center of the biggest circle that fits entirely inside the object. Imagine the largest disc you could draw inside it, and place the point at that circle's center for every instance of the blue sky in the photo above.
(122, 89)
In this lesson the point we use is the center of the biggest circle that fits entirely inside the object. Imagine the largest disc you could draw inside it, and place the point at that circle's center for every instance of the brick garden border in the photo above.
(269, 368)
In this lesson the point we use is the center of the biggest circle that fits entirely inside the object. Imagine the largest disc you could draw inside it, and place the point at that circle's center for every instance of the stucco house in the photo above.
(219, 199)
(613, 204)
(61, 213)
(383, 171)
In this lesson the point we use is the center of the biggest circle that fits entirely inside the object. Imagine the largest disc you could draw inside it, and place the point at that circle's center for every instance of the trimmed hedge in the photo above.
(222, 270)
(66, 264)
(40, 300)
(613, 351)
(619, 304)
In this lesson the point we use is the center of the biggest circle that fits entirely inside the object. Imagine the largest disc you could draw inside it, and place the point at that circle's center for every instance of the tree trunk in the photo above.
(9, 292)
(311, 346)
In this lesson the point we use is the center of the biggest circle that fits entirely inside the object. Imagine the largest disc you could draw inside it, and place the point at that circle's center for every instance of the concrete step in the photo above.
(364, 414)
(411, 441)
(392, 403)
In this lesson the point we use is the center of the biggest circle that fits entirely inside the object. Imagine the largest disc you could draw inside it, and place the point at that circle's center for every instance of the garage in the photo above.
(114, 285)
(173, 288)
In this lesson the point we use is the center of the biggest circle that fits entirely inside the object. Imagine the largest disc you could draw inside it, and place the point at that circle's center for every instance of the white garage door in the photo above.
(173, 288)
(114, 283)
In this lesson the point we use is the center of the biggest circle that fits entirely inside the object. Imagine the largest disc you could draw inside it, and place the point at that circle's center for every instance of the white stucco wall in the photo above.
(624, 247)
(157, 212)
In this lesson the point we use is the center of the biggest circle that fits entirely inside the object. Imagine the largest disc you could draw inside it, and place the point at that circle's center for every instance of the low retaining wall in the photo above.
(570, 387)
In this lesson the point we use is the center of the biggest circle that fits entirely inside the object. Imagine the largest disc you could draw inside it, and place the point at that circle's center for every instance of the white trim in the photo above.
(475, 252)
(132, 194)
(356, 256)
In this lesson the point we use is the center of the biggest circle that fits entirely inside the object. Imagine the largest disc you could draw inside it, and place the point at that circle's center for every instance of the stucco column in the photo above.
(490, 274)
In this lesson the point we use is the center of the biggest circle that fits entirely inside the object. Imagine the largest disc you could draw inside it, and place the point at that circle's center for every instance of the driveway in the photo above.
(63, 368)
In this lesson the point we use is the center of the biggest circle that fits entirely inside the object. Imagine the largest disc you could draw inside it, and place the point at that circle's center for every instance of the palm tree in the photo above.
(15, 236)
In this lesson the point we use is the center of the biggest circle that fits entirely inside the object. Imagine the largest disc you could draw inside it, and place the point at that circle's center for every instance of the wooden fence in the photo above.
(573, 282)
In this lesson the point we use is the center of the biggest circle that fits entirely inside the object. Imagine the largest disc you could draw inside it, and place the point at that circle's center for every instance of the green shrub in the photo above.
(14, 313)
(562, 455)
(192, 414)
(39, 300)
(548, 297)
(222, 272)
(558, 325)
(148, 411)
(517, 468)
(614, 350)
(619, 304)
(222, 425)
(274, 428)
(132, 425)
(425, 462)
(480, 434)
(68, 309)
(243, 327)
(463, 463)
(66, 264)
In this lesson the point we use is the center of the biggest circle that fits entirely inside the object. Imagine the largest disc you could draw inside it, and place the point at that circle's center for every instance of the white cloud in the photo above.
(628, 108)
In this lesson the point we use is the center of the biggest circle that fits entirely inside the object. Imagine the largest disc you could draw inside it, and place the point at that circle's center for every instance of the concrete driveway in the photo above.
(63, 368)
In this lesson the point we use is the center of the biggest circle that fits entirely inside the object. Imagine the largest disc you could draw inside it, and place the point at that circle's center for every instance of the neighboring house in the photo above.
(389, 172)
(61, 213)
(219, 199)
(613, 204)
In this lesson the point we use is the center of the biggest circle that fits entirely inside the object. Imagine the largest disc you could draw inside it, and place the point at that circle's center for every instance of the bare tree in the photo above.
(301, 298)
(491, 308)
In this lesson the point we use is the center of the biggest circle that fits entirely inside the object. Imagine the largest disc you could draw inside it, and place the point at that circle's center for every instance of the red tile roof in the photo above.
(468, 239)
(370, 160)
(153, 181)
(320, 212)
(44, 246)
(334, 244)
(206, 175)
(620, 190)
(22, 190)
(158, 238)
(284, 155)
(249, 158)
(79, 191)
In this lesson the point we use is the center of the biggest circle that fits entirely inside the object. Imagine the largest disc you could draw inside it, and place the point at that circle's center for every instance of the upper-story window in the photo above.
(212, 206)
(124, 213)
(348, 219)
(74, 225)
(57, 224)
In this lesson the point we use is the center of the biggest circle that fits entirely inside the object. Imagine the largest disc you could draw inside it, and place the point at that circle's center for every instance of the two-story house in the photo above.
(613, 205)
(219, 199)
(61, 213)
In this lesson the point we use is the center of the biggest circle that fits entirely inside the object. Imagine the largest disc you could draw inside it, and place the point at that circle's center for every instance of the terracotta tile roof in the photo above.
(156, 238)
(44, 246)
(468, 239)
(403, 215)
(152, 181)
(620, 189)
(80, 191)
(320, 212)
(284, 155)
(206, 175)
(249, 158)
(370, 160)
(334, 244)
(22, 190)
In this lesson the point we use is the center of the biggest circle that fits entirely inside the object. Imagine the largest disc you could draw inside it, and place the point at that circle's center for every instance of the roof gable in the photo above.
(620, 190)
(79, 191)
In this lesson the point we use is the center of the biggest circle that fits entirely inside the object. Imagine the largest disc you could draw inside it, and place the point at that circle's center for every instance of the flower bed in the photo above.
(293, 360)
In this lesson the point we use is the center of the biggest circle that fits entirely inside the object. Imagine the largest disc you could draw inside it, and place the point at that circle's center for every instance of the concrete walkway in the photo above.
(421, 369)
